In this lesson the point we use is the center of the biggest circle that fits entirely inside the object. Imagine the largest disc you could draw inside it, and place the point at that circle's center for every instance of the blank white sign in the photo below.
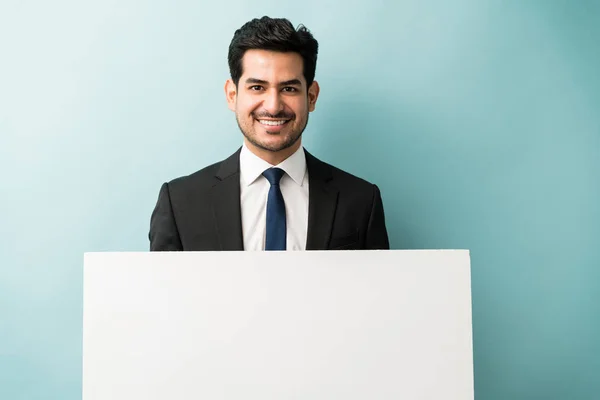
(278, 325)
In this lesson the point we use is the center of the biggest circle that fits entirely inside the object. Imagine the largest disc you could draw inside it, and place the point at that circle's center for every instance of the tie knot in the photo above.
(273, 175)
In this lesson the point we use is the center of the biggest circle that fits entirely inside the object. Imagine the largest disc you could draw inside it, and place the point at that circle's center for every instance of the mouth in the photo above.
(273, 122)
(273, 126)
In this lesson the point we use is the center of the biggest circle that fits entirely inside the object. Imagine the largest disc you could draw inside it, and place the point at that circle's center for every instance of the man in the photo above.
(271, 194)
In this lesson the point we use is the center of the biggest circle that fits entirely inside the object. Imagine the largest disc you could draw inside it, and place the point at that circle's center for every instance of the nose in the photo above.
(272, 102)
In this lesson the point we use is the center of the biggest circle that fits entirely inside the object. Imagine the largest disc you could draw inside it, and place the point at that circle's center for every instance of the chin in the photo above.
(273, 142)
(275, 146)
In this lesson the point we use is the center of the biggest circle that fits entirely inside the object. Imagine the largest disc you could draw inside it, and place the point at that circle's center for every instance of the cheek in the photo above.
(299, 107)
(245, 106)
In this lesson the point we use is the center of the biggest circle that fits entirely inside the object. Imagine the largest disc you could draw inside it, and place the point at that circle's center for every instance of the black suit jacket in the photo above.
(201, 212)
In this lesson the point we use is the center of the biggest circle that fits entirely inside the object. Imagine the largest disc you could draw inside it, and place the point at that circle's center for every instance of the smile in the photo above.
(272, 123)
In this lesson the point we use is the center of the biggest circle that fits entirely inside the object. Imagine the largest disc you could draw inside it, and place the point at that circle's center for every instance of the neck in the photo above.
(273, 157)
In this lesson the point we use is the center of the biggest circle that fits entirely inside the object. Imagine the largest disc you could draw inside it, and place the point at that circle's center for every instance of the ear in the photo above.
(313, 94)
(230, 94)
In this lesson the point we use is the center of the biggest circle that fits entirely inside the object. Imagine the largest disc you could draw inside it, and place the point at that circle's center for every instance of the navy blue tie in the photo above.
(276, 228)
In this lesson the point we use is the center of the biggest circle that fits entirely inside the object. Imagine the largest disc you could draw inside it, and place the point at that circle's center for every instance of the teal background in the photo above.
(479, 120)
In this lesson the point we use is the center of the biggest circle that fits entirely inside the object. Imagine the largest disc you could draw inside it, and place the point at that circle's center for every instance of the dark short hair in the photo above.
(276, 34)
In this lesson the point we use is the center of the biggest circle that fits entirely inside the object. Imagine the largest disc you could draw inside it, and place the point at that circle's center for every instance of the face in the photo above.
(271, 100)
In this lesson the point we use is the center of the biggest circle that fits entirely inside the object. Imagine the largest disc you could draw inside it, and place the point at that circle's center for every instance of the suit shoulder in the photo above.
(209, 175)
(347, 179)
(351, 178)
(201, 177)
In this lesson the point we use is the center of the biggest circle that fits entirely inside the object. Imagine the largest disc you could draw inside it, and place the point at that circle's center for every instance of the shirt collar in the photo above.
(252, 166)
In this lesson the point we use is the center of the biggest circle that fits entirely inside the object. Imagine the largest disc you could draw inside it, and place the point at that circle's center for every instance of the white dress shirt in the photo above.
(254, 190)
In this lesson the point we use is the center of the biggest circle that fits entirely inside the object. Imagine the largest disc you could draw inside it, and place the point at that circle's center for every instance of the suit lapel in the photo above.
(226, 204)
(322, 198)
(322, 203)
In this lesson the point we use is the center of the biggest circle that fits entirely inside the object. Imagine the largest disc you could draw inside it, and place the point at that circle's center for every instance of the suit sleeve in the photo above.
(164, 235)
(377, 237)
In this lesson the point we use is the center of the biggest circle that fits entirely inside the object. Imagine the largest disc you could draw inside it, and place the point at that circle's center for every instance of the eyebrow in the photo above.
(291, 82)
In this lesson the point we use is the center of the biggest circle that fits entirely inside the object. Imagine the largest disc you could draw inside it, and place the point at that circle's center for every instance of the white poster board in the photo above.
(278, 325)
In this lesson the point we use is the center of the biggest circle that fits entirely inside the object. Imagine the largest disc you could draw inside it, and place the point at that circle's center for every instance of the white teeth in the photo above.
(271, 123)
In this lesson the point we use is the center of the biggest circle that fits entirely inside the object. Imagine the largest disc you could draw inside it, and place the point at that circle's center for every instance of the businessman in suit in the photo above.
(271, 194)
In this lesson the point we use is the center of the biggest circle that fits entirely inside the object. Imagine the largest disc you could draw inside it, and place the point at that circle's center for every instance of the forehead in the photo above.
(272, 66)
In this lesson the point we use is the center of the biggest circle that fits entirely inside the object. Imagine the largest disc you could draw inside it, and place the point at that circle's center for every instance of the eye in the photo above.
(290, 89)
(255, 88)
